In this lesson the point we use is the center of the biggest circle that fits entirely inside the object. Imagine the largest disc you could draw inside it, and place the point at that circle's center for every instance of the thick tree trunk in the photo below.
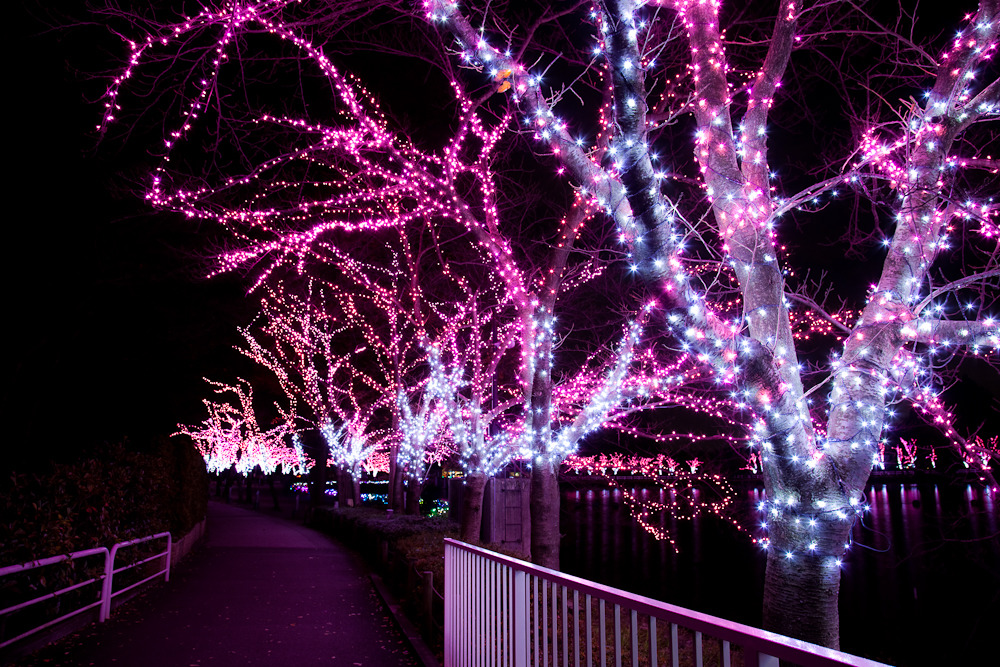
(348, 489)
(801, 590)
(545, 517)
(472, 508)
(413, 490)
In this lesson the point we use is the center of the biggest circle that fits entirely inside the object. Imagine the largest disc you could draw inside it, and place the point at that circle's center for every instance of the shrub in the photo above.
(185, 500)
(110, 495)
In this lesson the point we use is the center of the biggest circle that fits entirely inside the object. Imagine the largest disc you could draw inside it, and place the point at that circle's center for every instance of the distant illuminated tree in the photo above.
(231, 436)
(351, 443)
(467, 378)
(345, 345)
(297, 342)
(394, 306)
(652, 143)
(421, 430)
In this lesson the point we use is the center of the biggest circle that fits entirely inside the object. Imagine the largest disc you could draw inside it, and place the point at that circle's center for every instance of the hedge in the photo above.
(106, 496)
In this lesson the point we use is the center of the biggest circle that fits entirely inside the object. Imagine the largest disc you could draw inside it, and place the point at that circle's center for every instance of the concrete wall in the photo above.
(183, 546)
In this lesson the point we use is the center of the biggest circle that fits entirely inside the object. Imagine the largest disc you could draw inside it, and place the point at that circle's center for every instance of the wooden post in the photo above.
(428, 578)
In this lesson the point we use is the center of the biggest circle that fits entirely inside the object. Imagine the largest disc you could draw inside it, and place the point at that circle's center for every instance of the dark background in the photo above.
(109, 323)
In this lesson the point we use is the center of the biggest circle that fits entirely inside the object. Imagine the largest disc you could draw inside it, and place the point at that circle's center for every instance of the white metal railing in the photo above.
(109, 593)
(106, 579)
(507, 612)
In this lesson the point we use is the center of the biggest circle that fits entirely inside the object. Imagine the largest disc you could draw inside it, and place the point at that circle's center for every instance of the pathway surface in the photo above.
(262, 591)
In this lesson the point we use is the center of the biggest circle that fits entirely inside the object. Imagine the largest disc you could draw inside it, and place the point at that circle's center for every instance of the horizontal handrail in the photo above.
(30, 565)
(53, 560)
(504, 591)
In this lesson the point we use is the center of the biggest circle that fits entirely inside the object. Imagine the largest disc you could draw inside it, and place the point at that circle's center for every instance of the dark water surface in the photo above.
(921, 585)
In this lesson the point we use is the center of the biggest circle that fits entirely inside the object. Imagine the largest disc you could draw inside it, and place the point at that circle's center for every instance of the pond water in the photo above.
(921, 585)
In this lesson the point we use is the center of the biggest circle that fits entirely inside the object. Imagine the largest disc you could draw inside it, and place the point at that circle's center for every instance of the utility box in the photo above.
(506, 511)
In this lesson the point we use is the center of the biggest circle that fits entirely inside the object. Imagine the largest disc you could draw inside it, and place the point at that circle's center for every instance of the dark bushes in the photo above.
(364, 528)
(106, 496)
(402, 549)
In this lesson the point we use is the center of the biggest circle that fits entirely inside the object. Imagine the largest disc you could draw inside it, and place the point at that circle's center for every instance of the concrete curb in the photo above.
(184, 545)
(410, 631)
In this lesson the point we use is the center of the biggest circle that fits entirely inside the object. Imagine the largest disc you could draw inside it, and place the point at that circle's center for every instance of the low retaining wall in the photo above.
(184, 545)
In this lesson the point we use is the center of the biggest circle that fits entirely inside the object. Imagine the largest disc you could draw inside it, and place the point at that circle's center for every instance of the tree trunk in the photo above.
(317, 485)
(274, 491)
(801, 592)
(248, 489)
(545, 517)
(318, 450)
(472, 508)
(348, 489)
(810, 511)
(413, 491)
(395, 497)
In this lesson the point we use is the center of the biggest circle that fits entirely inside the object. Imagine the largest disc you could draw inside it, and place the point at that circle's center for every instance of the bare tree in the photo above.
(232, 437)
(815, 463)
(655, 138)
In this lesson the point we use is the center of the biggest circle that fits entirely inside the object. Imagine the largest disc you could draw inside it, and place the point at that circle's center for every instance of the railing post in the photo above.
(428, 578)
(106, 586)
(170, 551)
(449, 611)
(520, 619)
(765, 660)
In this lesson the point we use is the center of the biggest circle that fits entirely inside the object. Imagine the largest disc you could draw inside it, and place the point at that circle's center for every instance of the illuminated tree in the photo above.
(467, 376)
(341, 354)
(422, 437)
(815, 462)
(383, 304)
(298, 342)
(651, 137)
(347, 344)
(232, 437)
(350, 445)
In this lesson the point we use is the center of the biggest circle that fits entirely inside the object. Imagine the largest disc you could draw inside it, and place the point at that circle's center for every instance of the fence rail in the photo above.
(108, 593)
(106, 581)
(504, 611)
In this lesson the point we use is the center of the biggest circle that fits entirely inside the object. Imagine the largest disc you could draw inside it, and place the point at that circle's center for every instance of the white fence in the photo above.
(505, 612)
(106, 581)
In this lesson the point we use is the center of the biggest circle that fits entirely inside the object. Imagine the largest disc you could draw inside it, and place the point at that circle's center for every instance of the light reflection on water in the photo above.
(921, 585)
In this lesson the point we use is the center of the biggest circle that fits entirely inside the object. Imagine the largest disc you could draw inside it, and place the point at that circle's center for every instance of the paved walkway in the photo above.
(262, 591)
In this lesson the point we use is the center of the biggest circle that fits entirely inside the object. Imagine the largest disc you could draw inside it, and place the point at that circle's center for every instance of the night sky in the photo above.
(110, 324)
